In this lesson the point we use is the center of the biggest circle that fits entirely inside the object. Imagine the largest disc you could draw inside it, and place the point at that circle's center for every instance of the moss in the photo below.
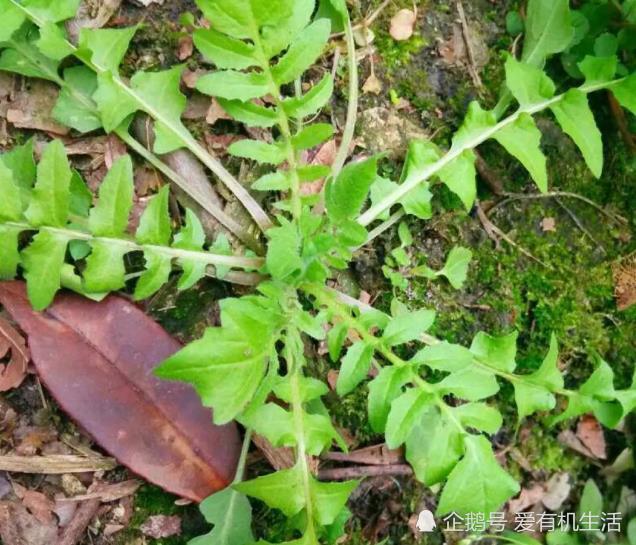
(150, 501)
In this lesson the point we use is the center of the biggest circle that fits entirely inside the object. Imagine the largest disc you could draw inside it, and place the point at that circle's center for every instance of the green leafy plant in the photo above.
(253, 366)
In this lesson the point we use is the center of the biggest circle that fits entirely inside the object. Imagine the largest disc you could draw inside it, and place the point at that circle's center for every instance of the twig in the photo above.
(619, 116)
(55, 464)
(488, 175)
(579, 224)
(494, 231)
(511, 197)
(74, 531)
(355, 472)
(367, 20)
(472, 66)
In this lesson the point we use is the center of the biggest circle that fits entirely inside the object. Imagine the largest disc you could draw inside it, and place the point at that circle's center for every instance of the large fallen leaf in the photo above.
(97, 361)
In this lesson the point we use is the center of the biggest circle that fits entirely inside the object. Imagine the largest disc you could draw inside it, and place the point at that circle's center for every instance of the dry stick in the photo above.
(56, 464)
(621, 122)
(472, 66)
(511, 197)
(355, 472)
(367, 20)
(74, 532)
(579, 223)
(494, 231)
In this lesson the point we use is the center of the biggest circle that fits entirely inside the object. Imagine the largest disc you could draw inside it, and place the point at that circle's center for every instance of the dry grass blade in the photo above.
(57, 464)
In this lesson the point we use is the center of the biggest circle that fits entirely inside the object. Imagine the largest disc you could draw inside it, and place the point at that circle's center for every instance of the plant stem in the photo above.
(352, 108)
(294, 364)
(224, 219)
(181, 134)
(175, 253)
(240, 468)
(397, 194)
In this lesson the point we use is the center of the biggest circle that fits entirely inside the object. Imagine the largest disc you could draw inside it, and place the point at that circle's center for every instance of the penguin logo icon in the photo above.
(425, 521)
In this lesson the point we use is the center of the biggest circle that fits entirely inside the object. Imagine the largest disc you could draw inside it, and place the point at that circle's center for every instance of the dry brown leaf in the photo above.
(372, 85)
(624, 274)
(19, 527)
(548, 225)
(526, 498)
(590, 432)
(32, 107)
(160, 526)
(115, 149)
(185, 48)
(39, 506)
(12, 345)
(215, 112)
(403, 24)
(557, 491)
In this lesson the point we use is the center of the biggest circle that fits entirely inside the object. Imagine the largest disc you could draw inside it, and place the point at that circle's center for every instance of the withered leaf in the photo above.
(97, 359)
(12, 345)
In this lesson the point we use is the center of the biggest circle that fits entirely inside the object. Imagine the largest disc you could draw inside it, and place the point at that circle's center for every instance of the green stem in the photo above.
(240, 468)
(352, 108)
(219, 214)
(294, 361)
(283, 124)
(181, 134)
(456, 151)
(175, 253)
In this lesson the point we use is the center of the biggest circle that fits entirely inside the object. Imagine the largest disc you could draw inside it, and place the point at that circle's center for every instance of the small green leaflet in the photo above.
(224, 51)
(109, 217)
(455, 269)
(283, 252)
(471, 384)
(232, 85)
(53, 42)
(528, 84)
(383, 389)
(444, 356)
(227, 365)
(497, 352)
(231, 514)
(460, 176)
(311, 102)
(408, 327)
(154, 225)
(21, 163)
(50, 199)
(354, 367)
(12, 19)
(259, 151)
(45, 253)
(548, 30)
(282, 490)
(479, 416)
(625, 93)
(303, 52)
(577, 121)
(106, 47)
(536, 391)
(74, 107)
(477, 484)
(105, 270)
(346, 195)
(157, 273)
(10, 204)
(53, 12)
(405, 412)
(433, 447)
(522, 140)
(192, 237)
